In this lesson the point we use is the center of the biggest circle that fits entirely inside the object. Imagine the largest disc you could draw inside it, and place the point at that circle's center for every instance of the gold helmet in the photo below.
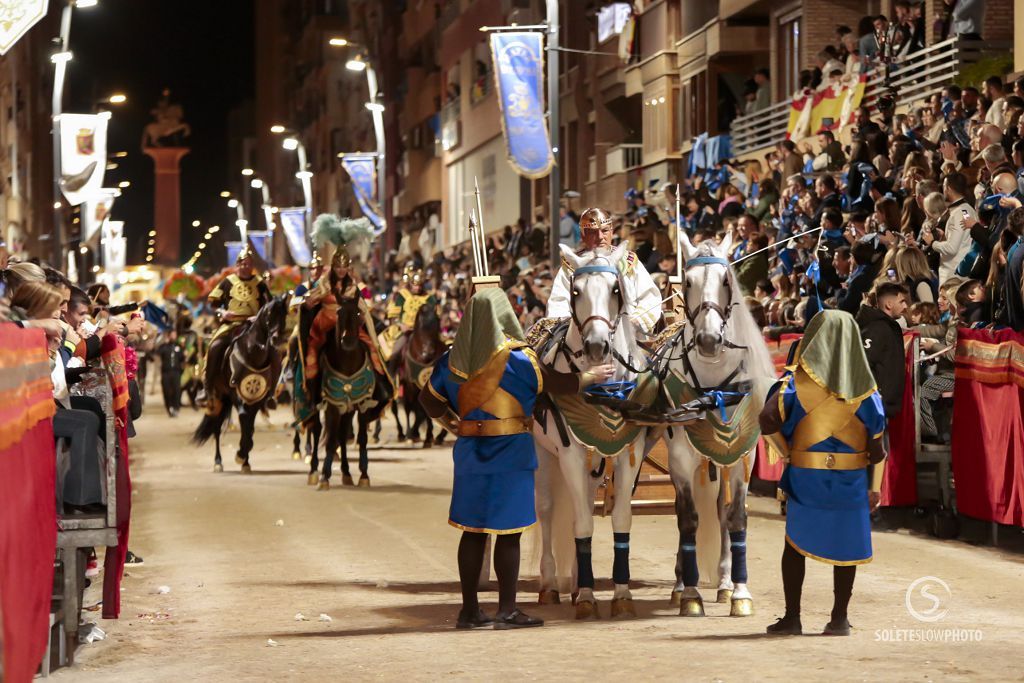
(593, 219)
(416, 277)
(341, 258)
(246, 252)
(407, 273)
(315, 261)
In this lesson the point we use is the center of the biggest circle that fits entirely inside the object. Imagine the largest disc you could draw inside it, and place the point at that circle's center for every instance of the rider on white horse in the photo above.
(640, 290)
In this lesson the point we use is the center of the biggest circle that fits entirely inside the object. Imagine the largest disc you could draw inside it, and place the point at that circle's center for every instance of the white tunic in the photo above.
(643, 299)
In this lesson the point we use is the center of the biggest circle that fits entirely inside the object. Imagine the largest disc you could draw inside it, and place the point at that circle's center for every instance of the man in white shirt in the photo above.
(994, 90)
(643, 299)
(952, 243)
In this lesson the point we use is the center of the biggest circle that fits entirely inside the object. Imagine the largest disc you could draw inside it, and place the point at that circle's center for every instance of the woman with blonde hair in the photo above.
(17, 273)
(912, 270)
(36, 300)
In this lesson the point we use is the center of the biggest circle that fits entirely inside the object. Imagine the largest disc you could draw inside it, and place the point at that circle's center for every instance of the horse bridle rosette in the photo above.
(573, 293)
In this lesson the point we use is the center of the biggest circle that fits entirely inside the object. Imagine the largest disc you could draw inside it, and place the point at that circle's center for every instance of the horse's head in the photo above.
(270, 321)
(708, 298)
(350, 316)
(428, 321)
(596, 299)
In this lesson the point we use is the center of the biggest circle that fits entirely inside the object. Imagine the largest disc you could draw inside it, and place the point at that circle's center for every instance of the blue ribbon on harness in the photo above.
(720, 397)
(616, 390)
(597, 268)
(706, 261)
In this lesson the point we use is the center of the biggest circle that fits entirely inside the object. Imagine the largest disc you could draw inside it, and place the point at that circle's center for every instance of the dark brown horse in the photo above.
(350, 387)
(415, 365)
(245, 380)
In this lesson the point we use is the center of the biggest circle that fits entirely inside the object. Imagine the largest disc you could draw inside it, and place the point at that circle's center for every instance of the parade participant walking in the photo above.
(596, 226)
(830, 418)
(240, 295)
(172, 358)
(490, 379)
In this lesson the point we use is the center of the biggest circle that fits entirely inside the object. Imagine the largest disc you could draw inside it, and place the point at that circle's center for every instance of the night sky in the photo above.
(201, 50)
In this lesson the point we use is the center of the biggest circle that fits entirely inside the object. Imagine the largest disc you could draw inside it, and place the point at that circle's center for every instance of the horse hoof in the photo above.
(742, 607)
(549, 597)
(623, 607)
(724, 596)
(428, 444)
(691, 607)
(346, 480)
(587, 610)
(239, 460)
(323, 485)
(308, 459)
(364, 482)
(676, 599)
(313, 478)
(246, 469)
(218, 468)
(296, 455)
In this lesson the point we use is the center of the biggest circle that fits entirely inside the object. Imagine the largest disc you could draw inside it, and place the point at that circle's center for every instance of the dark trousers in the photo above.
(82, 483)
(170, 382)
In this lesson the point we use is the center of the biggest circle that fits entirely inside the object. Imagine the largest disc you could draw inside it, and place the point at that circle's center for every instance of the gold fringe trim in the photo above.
(725, 485)
(499, 532)
(837, 563)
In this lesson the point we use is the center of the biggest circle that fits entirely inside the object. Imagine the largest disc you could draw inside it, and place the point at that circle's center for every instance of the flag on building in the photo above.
(519, 79)
(363, 172)
(829, 109)
(293, 223)
(96, 209)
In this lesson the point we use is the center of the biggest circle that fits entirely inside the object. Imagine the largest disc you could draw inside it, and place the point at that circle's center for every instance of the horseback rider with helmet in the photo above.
(239, 297)
(641, 292)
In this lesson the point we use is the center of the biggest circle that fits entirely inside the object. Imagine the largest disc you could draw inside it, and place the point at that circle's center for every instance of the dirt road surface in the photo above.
(243, 555)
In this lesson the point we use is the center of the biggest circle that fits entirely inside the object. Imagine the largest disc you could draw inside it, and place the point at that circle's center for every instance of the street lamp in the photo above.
(292, 143)
(117, 98)
(360, 62)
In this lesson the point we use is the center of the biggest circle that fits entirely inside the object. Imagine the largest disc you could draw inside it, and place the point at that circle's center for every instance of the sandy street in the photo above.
(243, 555)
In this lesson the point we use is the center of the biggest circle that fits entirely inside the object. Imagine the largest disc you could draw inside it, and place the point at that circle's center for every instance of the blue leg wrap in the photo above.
(738, 545)
(688, 551)
(620, 568)
(584, 565)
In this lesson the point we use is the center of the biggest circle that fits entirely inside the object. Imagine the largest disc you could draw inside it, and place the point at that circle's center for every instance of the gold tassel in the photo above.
(725, 484)
(632, 455)
(704, 472)
(590, 459)
(746, 468)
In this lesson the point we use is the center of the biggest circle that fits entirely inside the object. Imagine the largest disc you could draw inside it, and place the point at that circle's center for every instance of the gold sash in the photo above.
(482, 390)
(827, 416)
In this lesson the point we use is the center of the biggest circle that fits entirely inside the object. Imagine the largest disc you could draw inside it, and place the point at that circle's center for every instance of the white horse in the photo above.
(719, 350)
(600, 330)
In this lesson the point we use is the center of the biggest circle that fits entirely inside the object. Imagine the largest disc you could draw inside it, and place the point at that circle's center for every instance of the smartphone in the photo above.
(89, 327)
(892, 274)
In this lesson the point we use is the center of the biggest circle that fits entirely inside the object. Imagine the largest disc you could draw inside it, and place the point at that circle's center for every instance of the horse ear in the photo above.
(687, 245)
(619, 252)
(569, 255)
(726, 244)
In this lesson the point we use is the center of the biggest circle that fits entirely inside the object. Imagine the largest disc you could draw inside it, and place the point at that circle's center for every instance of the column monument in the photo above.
(164, 141)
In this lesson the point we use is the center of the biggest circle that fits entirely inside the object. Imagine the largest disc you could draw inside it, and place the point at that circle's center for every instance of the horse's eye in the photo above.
(575, 292)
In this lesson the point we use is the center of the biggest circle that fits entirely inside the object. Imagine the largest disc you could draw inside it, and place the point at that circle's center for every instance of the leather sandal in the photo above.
(516, 619)
(478, 620)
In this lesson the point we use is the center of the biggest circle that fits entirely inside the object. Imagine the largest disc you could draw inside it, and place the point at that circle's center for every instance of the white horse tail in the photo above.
(709, 529)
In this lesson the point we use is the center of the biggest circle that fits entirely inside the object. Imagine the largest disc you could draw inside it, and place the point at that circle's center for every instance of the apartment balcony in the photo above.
(451, 125)
(622, 158)
(915, 79)
(421, 99)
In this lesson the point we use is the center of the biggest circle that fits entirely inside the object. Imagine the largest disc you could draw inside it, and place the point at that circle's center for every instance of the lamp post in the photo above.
(60, 60)
(258, 183)
(292, 143)
(357, 63)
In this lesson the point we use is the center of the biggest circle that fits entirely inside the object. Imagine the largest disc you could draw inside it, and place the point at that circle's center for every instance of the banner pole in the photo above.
(555, 179)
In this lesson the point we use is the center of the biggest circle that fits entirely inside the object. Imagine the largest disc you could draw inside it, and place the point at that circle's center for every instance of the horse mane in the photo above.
(741, 328)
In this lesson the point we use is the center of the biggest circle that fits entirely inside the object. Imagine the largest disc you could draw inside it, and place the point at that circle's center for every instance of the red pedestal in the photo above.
(167, 203)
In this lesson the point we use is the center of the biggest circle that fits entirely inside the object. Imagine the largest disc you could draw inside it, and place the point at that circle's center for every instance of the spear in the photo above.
(473, 242)
(480, 215)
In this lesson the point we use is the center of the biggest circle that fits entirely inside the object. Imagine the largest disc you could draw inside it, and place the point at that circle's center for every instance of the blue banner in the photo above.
(293, 223)
(233, 249)
(518, 60)
(363, 172)
(259, 243)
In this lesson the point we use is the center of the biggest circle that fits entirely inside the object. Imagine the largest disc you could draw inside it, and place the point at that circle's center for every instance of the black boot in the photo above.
(516, 619)
(837, 627)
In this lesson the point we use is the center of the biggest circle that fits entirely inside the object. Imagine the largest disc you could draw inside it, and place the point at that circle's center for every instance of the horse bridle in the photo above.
(723, 312)
(588, 270)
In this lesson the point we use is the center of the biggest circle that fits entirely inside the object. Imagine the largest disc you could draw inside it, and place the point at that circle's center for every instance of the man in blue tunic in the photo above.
(827, 415)
(486, 386)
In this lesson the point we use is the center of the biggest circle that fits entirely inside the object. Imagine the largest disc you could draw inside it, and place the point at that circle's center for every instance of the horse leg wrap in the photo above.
(688, 551)
(584, 564)
(620, 567)
(738, 545)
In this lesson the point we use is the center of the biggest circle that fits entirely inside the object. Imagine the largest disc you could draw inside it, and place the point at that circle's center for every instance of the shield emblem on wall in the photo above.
(85, 141)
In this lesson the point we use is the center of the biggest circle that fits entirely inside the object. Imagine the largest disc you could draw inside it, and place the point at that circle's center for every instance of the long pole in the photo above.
(268, 216)
(555, 179)
(307, 188)
(679, 238)
(378, 132)
(60, 68)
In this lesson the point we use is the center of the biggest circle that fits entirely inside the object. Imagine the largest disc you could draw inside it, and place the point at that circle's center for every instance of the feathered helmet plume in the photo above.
(332, 229)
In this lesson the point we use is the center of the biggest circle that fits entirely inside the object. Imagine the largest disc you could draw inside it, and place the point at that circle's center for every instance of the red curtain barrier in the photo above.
(988, 425)
(28, 521)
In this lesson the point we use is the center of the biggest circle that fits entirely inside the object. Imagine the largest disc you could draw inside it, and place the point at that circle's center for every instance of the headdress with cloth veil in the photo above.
(489, 330)
(831, 352)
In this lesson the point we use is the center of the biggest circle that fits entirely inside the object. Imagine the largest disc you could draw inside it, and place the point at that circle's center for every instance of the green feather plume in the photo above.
(329, 227)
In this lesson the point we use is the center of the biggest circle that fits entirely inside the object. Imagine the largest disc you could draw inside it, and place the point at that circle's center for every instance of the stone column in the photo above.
(167, 203)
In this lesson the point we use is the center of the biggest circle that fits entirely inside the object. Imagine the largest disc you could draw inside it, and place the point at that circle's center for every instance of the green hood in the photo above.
(832, 354)
(489, 326)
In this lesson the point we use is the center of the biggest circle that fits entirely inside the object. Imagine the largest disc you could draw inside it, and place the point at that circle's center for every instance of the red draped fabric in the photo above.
(762, 468)
(899, 488)
(28, 513)
(113, 564)
(988, 425)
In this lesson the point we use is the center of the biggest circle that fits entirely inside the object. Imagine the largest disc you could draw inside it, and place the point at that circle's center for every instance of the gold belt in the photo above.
(815, 460)
(498, 427)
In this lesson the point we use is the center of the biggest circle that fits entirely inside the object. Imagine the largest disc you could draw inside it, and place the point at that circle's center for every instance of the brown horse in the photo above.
(415, 365)
(350, 386)
(245, 380)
